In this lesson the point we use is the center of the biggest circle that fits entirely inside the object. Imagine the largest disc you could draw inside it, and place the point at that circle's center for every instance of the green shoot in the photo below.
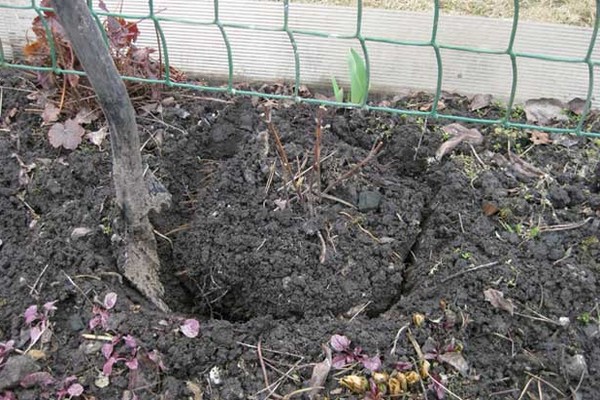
(337, 91)
(358, 78)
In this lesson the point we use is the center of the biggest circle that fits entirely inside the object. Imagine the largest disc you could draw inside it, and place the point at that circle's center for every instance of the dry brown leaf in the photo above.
(489, 209)
(24, 170)
(97, 137)
(497, 300)
(480, 101)
(50, 113)
(195, 389)
(68, 135)
(456, 361)
(544, 111)
(459, 134)
(427, 107)
(576, 105)
(320, 373)
(539, 137)
(523, 168)
(85, 116)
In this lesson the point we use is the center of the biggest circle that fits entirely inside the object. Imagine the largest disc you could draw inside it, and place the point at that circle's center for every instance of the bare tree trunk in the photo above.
(141, 264)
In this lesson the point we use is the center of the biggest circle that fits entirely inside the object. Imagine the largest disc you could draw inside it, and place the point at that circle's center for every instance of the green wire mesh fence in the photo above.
(433, 43)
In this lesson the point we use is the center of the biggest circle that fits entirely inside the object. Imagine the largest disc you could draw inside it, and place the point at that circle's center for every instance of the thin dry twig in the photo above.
(402, 329)
(284, 353)
(357, 167)
(317, 153)
(524, 391)
(33, 287)
(262, 365)
(361, 309)
(468, 270)
(564, 227)
(77, 287)
(451, 393)
(323, 255)
(287, 169)
(539, 378)
(337, 199)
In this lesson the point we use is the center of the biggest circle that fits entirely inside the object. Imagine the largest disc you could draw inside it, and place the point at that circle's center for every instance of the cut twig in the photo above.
(287, 169)
(357, 167)
(262, 365)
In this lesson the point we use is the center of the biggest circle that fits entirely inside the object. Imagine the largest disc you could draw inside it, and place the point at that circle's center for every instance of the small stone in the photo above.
(592, 331)
(575, 366)
(80, 232)
(15, 369)
(75, 323)
(369, 200)
(564, 321)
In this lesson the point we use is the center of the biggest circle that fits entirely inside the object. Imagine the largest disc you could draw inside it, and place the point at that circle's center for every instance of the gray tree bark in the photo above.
(140, 260)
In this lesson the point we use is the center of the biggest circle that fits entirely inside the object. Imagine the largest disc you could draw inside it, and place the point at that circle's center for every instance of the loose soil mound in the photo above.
(407, 234)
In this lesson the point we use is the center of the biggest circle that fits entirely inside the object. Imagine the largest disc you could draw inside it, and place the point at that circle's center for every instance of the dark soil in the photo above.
(422, 236)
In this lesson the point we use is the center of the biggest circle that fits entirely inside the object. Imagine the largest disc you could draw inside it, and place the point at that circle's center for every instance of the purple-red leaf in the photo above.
(107, 350)
(49, 306)
(130, 342)
(190, 328)
(94, 322)
(339, 361)
(156, 358)
(371, 363)
(34, 334)
(75, 390)
(404, 366)
(37, 379)
(110, 300)
(68, 135)
(108, 366)
(132, 364)
(31, 314)
(8, 396)
(339, 343)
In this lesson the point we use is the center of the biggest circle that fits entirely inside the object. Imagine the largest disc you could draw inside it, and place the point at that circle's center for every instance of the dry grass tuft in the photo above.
(569, 12)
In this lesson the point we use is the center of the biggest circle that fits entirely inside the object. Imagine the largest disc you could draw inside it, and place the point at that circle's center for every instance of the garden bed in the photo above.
(407, 236)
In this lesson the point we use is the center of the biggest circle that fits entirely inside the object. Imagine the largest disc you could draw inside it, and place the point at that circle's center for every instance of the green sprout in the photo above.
(585, 318)
(358, 80)
(337, 91)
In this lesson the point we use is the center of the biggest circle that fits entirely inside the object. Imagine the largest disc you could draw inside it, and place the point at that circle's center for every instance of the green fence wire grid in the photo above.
(364, 40)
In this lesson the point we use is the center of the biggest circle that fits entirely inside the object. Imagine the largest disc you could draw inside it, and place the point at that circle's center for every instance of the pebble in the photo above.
(592, 331)
(15, 369)
(369, 200)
